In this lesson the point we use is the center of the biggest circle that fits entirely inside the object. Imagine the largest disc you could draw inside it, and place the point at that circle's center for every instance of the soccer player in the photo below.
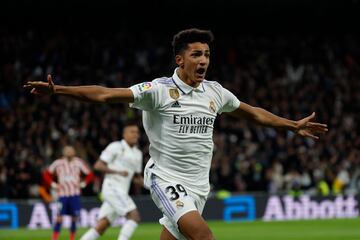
(121, 161)
(68, 171)
(178, 116)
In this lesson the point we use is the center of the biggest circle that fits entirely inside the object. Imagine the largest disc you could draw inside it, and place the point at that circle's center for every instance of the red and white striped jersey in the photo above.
(68, 175)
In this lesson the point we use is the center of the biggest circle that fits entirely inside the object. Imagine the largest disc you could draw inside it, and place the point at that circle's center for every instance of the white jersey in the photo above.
(120, 156)
(179, 121)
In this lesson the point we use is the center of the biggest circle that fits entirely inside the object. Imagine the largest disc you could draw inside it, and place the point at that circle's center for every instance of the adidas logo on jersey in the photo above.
(176, 104)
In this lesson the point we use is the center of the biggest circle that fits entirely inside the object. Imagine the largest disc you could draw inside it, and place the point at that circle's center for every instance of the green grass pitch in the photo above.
(340, 229)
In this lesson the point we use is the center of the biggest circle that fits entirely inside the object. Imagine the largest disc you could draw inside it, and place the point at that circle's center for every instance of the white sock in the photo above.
(127, 230)
(91, 234)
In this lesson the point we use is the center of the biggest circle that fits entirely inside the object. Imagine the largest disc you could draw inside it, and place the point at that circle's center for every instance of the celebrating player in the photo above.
(121, 161)
(178, 116)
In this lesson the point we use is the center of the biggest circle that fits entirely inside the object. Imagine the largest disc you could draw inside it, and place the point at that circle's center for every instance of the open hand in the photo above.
(41, 88)
(82, 185)
(54, 185)
(306, 128)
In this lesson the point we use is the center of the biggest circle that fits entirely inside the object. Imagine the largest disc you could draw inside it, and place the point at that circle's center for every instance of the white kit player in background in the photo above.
(121, 161)
(178, 116)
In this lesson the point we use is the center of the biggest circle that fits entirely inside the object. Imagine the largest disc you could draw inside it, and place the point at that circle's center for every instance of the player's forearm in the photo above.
(268, 119)
(95, 93)
(263, 117)
(103, 168)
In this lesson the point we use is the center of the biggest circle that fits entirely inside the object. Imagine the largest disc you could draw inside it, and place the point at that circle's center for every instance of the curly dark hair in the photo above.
(183, 38)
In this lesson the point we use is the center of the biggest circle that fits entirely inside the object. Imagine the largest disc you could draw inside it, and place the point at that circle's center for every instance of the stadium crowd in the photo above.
(289, 75)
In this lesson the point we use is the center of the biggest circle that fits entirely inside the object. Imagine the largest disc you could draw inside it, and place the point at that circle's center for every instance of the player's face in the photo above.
(193, 63)
(131, 134)
(69, 152)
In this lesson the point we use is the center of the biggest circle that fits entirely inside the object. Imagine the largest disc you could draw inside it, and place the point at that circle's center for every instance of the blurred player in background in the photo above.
(121, 162)
(178, 116)
(68, 171)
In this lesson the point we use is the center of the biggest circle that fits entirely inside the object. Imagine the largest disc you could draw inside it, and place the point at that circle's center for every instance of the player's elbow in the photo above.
(106, 97)
(99, 165)
(99, 94)
(102, 98)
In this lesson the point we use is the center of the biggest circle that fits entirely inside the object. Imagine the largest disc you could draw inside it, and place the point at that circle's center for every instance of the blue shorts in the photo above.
(70, 206)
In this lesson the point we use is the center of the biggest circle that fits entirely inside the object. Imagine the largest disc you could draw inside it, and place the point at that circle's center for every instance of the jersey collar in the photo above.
(183, 87)
(125, 144)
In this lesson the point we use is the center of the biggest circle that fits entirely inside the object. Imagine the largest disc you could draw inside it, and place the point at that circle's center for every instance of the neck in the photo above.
(130, 145)
(185, 78)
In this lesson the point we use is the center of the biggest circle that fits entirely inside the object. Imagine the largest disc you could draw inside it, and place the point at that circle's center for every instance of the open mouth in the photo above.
(200, 71)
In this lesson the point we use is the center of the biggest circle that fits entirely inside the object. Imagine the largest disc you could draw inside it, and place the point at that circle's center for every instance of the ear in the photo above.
(179, 61)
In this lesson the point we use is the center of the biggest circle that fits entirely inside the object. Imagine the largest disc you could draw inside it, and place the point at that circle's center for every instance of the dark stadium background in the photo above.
(71, 36)
(229, 16)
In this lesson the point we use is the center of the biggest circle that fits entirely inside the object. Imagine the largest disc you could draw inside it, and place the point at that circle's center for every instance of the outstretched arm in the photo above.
(92, 93)
(303, 127)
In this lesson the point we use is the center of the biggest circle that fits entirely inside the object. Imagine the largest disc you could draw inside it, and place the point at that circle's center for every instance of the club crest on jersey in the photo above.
(179, 204)
(145, 86)
(212, 107)
(174, 93)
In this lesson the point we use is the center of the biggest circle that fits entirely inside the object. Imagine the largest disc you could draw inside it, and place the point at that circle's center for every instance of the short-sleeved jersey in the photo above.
(69, 175)
(179, 121)
(120, 156)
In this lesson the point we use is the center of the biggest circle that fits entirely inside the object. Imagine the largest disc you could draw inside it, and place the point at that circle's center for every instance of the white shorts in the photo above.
(174, 200)
(116, 204)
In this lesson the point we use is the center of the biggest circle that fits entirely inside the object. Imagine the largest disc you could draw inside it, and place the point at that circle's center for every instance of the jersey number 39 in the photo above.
(174, 191)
